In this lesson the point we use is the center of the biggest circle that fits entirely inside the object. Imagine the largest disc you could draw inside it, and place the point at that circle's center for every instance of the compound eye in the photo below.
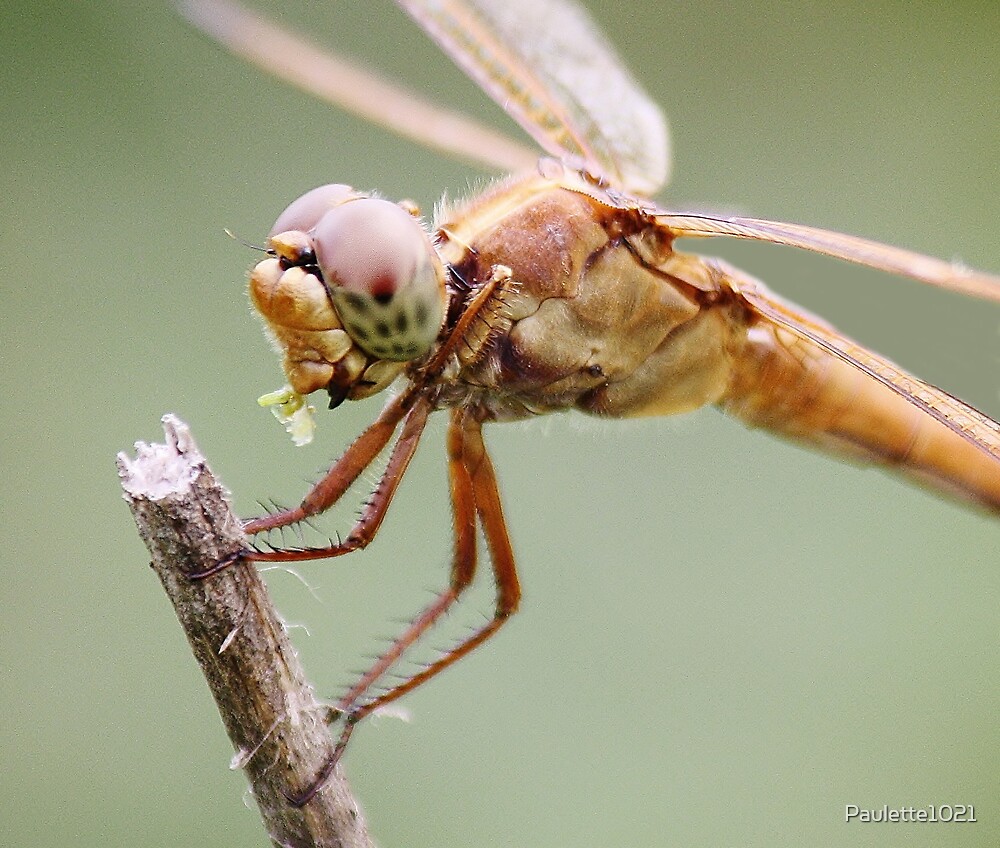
(304, 213)
(381, 270)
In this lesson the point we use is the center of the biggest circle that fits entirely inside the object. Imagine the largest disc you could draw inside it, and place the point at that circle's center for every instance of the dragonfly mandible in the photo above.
(556, 289)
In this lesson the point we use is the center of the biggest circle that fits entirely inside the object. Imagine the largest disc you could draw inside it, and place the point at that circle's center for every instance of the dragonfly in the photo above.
(558, 288)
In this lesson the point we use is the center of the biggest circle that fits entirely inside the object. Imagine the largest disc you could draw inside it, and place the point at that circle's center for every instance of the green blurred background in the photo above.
(724, 639)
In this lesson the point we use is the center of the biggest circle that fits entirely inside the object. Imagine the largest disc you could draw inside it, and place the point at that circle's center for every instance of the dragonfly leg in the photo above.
(337, 480)
(473, 492)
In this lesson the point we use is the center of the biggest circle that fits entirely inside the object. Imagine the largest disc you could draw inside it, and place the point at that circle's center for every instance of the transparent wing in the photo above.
(554, 73)
(345, 84)
(935, 272)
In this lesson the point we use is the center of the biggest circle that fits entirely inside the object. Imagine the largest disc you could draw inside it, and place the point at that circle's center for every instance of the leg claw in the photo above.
(221, 565)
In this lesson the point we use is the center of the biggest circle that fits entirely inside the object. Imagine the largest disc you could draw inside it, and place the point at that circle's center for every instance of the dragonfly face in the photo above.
(354, 288)
(562, 289)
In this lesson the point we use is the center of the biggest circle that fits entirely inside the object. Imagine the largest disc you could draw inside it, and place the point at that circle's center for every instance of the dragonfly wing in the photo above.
(345, 84)
(894, 260)
(551, 69)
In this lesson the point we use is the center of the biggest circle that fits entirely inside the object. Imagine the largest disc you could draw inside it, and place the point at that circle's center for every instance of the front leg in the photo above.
(362, 452)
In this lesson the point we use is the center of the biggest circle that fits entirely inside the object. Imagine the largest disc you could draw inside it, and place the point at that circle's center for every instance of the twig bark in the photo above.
(268, 708)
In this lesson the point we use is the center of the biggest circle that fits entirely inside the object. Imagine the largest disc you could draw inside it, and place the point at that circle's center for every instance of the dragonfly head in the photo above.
(352, 291)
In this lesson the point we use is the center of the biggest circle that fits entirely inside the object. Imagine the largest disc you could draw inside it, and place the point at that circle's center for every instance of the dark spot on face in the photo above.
(420, 313)
(402, 323)
(382, 329)
(359, 333)
(357, 302)
(595, 370)
(383, 287)
(399, 350)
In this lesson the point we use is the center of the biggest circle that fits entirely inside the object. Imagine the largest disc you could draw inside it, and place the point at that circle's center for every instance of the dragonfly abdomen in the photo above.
(824, 395)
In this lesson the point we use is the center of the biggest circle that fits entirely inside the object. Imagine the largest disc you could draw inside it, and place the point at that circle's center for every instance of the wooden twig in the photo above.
(267, 707)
